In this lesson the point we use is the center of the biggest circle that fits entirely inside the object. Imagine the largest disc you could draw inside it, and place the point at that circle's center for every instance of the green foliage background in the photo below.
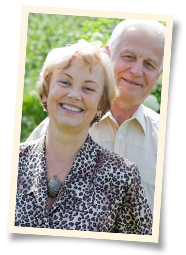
(48, 31)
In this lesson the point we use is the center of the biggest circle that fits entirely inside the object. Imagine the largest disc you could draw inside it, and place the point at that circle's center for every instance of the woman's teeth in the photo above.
(71, 108)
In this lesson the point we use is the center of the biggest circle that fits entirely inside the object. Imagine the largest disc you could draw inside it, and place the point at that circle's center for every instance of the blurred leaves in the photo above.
(48, 31)
(157, 91)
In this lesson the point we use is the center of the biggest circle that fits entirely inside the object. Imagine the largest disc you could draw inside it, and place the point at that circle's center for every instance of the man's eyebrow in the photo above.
(153, 60)
(128, 51)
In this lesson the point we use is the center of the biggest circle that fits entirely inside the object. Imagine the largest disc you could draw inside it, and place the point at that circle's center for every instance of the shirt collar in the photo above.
(138, 115)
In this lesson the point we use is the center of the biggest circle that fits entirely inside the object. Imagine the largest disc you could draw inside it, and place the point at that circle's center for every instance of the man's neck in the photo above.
(122, 113)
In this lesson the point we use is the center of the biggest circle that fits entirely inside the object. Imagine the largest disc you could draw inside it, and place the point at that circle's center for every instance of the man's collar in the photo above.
(109, 114)
(138, 115)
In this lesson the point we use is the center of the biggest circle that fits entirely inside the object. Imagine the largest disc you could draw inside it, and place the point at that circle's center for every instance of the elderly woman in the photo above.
(65, 179)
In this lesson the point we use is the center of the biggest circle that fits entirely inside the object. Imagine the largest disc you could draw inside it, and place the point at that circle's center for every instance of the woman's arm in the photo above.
(134, 214)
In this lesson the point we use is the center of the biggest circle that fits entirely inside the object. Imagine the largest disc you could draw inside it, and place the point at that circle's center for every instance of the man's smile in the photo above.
(132, 82)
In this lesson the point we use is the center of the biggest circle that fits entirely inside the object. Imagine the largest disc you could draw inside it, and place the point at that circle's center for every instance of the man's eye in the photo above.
(149, 65)
(128, 57)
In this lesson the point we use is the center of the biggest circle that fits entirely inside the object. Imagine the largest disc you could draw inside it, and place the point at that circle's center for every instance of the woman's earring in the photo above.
(97, 118)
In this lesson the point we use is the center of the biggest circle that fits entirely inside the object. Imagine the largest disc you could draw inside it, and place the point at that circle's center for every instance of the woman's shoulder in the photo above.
(29, 147)
(112, 161)
(115, 171)
(116, 162)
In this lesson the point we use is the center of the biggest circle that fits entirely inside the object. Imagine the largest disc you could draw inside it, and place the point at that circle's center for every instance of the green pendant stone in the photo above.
(53, 187)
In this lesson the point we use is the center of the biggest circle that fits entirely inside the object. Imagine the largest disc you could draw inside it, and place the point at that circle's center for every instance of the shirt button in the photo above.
(50, 222)
(120, 136)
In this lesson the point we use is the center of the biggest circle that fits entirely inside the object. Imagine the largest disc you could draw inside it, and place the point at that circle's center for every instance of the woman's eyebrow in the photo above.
(68, 75)
(87, 81)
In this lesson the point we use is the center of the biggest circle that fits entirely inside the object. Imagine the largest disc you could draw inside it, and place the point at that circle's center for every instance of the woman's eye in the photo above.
(66, 83)
(88, 89)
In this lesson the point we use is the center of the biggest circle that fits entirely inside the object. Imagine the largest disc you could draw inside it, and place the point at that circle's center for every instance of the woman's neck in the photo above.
(64, 144)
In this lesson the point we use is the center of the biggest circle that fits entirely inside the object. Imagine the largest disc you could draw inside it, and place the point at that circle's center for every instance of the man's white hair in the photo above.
(155, 26)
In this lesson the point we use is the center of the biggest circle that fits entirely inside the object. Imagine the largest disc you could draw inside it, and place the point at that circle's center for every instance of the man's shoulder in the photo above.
(40, 130)
(149, 113)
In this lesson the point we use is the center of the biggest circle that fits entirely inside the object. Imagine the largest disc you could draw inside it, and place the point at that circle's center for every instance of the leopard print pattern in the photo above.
(102, 192)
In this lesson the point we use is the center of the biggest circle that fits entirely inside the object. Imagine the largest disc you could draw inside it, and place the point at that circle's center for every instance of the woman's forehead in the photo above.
(76, 66)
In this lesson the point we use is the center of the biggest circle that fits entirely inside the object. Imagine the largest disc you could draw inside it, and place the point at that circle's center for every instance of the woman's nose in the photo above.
(74, 93)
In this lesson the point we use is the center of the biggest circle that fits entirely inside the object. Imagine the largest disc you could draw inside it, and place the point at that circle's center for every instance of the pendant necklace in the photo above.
(54, 185)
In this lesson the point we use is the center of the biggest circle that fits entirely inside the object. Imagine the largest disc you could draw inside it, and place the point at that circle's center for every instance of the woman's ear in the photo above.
(44, 99)
(99, 112)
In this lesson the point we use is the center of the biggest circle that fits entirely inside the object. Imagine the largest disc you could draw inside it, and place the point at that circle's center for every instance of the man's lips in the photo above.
(132, 82)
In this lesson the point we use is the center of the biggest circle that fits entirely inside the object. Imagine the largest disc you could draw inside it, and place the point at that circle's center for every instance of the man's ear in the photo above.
(158, 77)
(107, 49)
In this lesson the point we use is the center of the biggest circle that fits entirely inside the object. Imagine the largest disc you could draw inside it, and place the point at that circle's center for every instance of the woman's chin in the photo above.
(67, 124)
(70, 125)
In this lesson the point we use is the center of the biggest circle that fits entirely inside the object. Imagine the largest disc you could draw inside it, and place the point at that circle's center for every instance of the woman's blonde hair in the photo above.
(90, 54)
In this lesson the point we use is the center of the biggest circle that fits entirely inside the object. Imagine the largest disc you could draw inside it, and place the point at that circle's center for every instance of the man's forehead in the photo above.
(135, 41)
(143, 27)
(141, 32)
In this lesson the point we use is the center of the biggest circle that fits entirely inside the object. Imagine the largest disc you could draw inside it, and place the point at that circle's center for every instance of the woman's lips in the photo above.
(71, 108)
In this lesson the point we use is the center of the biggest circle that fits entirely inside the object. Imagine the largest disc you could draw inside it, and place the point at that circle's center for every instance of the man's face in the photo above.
(137, 59)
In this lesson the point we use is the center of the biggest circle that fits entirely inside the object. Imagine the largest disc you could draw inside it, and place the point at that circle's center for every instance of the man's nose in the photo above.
(137, 68)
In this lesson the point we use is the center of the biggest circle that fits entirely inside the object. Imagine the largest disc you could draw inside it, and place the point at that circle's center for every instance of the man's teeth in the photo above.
(71, 108)
(132, 82)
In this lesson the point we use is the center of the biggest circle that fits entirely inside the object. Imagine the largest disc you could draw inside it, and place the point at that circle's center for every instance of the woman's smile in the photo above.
(71, 109)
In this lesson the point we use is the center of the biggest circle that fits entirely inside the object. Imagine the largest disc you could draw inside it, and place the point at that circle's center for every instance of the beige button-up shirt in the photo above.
(136, 139)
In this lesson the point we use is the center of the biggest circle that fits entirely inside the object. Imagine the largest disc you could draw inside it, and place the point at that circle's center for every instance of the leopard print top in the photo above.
(102, 192)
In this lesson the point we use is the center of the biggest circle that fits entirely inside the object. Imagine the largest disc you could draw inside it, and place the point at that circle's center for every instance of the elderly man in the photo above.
(130, 129)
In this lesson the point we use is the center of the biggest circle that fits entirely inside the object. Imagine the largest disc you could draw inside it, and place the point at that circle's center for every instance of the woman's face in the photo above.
(74, 95)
